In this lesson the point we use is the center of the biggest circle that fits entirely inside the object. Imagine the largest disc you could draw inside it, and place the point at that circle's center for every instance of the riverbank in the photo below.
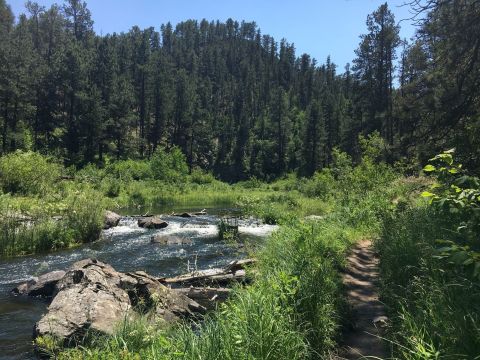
(64, 208)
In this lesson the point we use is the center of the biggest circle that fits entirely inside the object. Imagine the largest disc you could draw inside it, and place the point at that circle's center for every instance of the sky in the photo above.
(316, 27)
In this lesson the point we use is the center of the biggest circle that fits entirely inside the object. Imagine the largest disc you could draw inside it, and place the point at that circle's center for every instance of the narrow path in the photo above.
(360, 279)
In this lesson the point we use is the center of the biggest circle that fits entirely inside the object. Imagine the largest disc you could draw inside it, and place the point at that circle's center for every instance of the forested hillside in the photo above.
(315, 211)
(233, 99)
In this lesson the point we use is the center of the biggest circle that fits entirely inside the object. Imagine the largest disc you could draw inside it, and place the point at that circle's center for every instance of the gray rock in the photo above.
(170, 240)
(94, 296)
(111, 219)
(154, 222)
(40, 286)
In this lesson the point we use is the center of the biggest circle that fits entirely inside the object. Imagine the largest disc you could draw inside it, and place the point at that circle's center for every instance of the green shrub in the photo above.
(170, 165)
(320, 185)
(128, 170)
(111, 187)
(201, 177)
(28, 173)
(90, 174)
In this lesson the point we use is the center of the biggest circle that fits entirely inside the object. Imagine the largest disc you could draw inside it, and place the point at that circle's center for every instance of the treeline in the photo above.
(235, 101)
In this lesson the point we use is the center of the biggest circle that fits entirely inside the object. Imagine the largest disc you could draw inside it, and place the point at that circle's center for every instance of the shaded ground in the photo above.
(362, 339)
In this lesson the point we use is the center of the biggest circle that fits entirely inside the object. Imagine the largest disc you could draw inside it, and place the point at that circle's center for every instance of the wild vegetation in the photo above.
(219, 113)
(295, 308)
(430, 268)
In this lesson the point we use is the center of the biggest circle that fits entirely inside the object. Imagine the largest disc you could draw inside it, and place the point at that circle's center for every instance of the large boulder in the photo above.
(154, 222)
(43, 285)
(170, 240)
(111, 219)
(88, 297)
(94, 296)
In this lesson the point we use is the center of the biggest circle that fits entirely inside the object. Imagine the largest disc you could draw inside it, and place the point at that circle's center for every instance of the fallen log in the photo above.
(233, 272)
(211, 277)
(239, 265)
(207, 297)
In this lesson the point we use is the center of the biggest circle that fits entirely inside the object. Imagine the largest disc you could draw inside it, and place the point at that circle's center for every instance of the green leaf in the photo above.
(429, 168)
(427, 194)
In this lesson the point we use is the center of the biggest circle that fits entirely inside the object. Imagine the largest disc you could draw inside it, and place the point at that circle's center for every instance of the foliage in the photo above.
(27, 173)
(169, 166)
(127, 170)
(457, 195)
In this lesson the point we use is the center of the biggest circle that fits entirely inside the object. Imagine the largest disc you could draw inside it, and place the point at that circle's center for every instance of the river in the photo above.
(126, 247)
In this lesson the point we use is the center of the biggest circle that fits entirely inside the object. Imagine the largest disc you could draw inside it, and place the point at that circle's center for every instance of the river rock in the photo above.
(43, 285)
(183, 215)
(170, 240)
(94, 296)
(88, 297)
(111, 219)
(154, 222)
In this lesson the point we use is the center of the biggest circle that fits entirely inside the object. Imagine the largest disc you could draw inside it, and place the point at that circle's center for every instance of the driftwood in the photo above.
(239, 264)
(233, 272)
(211, 277)
(206, 296)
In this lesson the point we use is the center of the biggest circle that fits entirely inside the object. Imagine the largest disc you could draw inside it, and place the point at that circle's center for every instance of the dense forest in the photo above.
(236, 101)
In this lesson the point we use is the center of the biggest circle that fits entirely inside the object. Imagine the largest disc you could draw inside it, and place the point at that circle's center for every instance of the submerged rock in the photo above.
(111, 219)
(43, 285)
(154, 222)
(170, 240)
(183, 215)
(94, 296)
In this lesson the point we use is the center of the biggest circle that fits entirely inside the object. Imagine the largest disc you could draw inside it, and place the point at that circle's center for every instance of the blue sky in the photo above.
(317, 27)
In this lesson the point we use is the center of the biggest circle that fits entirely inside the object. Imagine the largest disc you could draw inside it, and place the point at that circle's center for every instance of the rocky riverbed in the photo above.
(128, 248)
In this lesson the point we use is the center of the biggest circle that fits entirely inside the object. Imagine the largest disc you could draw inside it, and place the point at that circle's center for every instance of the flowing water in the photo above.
(127, 248)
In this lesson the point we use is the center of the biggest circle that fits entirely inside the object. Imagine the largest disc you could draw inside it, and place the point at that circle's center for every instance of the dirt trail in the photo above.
(362, 340)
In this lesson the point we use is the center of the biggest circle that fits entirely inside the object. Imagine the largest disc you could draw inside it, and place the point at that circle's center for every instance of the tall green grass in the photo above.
(434, 307)
(76, 219)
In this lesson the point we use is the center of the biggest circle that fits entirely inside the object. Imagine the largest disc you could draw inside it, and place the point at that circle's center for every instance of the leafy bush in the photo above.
(252, 183)
(457, 195)
(128, 170)
(28, 173)
(169, 166)
(90, 174)
(111, 187)
(319, 185)
(201, 177)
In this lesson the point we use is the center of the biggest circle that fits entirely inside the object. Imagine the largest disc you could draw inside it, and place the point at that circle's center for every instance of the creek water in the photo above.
(126, 247)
